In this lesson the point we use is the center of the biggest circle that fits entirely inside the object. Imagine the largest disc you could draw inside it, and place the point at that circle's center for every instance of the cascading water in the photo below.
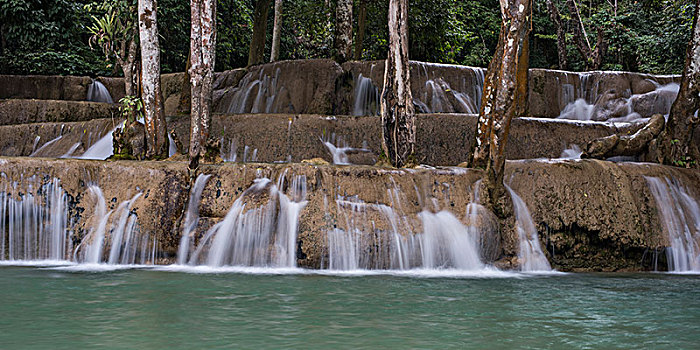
(257, 95)
(262, 235)
(339, 149)
(680, 214)
(366, 97)
(34, 227)
(619, 109)
(437, 96)
(102, 149)
(191, 218)
(377, 236)
(97, 92)
(530, 251)
(37, 151)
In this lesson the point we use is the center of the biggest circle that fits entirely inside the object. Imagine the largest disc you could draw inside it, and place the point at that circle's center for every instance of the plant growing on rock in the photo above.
(114, 30)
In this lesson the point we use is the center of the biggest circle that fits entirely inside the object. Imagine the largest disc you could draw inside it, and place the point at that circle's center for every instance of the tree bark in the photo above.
(256, 54)
(343, 30)
(156, 138)
(561, 35)
(276, 31)
(505, 96)
(202, 59)
(361, 26)
(398, 119)
(593, 57)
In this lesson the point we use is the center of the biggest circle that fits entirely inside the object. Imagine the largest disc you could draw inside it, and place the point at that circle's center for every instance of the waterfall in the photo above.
(120, 237)
(680, 215)
(96, 237)
(102, 149)
(34, 227)
(339, 149)
(37, 151)
(530, 252)
(97, 92)
(256, 95)
(622, 109)
(117, 235)
(260, 229)
(191, 218)
(377, 236)
(172, 149)
(366, 97)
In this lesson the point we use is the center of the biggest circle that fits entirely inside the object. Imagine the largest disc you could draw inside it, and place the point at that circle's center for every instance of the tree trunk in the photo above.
(343, 30)
(276, 31)
(361, 26)
(561, 35)
(202, 59)
(398, 120)
(156, 138)
(505, 96)
(256, 55)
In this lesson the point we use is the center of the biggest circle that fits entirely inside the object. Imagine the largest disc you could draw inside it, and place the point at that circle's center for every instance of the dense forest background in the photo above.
(52, 36)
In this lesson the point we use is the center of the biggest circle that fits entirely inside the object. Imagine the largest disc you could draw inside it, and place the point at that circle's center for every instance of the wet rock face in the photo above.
(590, 215)
(14, 111)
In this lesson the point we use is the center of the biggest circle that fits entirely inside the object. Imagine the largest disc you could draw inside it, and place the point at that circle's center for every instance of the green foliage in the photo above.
(54, 36)
(646, 36)
(45, 37)
(112, 25)
(131, 108)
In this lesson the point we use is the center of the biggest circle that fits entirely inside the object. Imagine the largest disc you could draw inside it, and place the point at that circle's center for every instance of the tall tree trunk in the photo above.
(561, 35)
(276, 31)
(156, 140)
(504, 97)
(126, 59)
(398, 119)
(343, 30)
(675, 144)
(256, 55)
(593, 57)
(202, 59)
(361, 26)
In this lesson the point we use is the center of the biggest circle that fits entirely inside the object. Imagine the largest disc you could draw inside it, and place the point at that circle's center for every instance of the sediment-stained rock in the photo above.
(591, 215)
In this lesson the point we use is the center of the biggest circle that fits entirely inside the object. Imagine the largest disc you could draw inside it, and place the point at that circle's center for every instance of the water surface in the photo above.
(66, 308)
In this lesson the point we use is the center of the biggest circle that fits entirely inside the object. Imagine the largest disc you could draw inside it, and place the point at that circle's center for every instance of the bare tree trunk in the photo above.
(156, 139)
(343, 30)
(256, 55)
(127, 61)
(276, 31)
(505, 93)
(561, 35)
(398, 119)
(202, 59)
(361, 26)
(593, 57)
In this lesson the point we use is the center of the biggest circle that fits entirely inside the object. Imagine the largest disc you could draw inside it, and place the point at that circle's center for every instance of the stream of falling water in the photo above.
(260, 229)
(530, 251)
(36, 224)
(680, 214)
